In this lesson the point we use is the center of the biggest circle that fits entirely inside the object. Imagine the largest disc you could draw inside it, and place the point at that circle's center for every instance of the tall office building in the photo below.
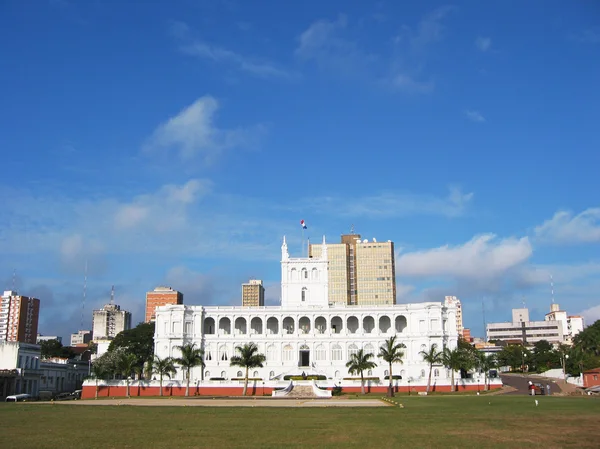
(253, 293)
(108, 321)
(361, 272)
(19, 318)
(454, 301)
(161, 296)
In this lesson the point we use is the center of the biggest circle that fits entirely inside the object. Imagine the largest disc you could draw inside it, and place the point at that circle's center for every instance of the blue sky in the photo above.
(177, 142)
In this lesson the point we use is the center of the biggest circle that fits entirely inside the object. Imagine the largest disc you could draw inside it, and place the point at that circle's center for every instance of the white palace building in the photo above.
(307, 334)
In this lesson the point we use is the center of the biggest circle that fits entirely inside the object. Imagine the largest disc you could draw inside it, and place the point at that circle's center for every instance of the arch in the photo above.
(352, 324)
(225, 325)
(336, 353)
(255, 374)
(304, 274)
(402, 373)
(207, 374)
(239, 374)
(337, 325)
(368, 324)
(209, 325)
(304, 325)
(256, 325)
(386, 373)
(304, 294)
(370, 372)
(320, 353)
(320, 325)
(240, 325)
(369, 349)
(223, 356)
(384, 324)
(288, 353)
(288, 325)
(401, 323)
(352, 349)
(208, 350)
(337, 374)
(314, 274)
(224, 374)
(272, 326)
(436, 373)
(271, 374)
(271, 353)
(422, 373)
(304, 348)
(294, 274)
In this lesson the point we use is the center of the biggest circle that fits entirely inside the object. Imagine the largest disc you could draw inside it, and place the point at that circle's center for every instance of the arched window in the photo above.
(255, 374)
(337, 374)
(370, 373)
(422, 373)
(293, 274)
(386, 373)
(436, 373)
(352, 349)
(304, 274)
(320, 352)
(271, 374)
(239, 374)
(303, 294)
(369, 349)
(288, 353)
(315, 274)
(271, 353)
(207, 375)
(223, 353)
(223, 374)
(336, 352)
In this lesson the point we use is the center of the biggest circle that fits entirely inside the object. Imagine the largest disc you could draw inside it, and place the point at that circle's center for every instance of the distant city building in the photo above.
(454, 301)
(19, 318)
(41, 338)
(466, 335)
(253, 293)
(361, 272)
(81, 337)
(19, 368)
(571, 325)
(554, 329)
(108, 321)
(161, 296)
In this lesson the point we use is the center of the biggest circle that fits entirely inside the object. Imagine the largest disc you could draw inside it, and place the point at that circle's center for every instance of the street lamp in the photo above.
(564, 366)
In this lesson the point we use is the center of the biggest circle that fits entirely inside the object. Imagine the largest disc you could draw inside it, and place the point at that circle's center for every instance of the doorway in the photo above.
(304, 357)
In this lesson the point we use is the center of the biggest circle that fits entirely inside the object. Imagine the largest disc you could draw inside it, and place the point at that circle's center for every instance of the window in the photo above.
(207, 374)
(352, 349)
(188, 327)
(239, 374)
(271, 353)
(422, 373)
(223, 353)
(223, 374)
(287, 353)
(436, 373)
(320, 352)
(303, 294)
(336, 352)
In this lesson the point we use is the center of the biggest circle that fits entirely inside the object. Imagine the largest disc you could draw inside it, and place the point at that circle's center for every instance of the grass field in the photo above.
(443, 421)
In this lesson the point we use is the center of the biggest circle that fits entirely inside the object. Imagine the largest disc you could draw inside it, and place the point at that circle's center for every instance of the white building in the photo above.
(454, 301)
(41, 338)
(108, 321)
(19, 368)
(556, 328)
(81, 337)
(306, 333)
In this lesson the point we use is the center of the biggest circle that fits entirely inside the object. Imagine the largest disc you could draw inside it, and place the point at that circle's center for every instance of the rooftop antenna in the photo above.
(14, 280)
(483, 314)
(84, 292)
(351, 229)
(552, 288)
(112, 296)
(524, 302)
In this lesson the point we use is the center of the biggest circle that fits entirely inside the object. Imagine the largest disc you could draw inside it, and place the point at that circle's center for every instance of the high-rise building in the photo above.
(82, 337)
(19, 318)
(454, 301)
(253, 293)
(161, 296)
(571, 325)
(108, 321)
(361, 272)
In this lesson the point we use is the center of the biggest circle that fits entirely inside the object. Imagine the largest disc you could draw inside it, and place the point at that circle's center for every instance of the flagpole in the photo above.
(302, 241)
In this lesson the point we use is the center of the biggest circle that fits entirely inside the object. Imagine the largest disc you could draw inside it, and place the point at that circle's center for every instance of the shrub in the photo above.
(310, 377)
(336, 391)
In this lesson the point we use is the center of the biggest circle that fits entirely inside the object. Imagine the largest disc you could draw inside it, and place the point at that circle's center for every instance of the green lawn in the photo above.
(442, 421)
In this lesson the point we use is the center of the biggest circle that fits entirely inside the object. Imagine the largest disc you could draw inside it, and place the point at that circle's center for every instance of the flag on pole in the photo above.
(303, 224)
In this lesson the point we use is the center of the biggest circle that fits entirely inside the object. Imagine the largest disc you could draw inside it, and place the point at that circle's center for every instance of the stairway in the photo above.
(301, 391)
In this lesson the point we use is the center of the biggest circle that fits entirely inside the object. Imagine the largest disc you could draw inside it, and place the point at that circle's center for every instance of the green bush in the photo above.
(310, 377)
(336, 391)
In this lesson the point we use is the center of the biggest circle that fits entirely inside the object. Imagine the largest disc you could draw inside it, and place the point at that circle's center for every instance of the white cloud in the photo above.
(394, 204)
(130, 215)
(405, 83)
(565, 228)
(475, 116)
(192, 133)
(430, 28)
(483, 43)
(483, 257)
(262, 69)
(591, 315)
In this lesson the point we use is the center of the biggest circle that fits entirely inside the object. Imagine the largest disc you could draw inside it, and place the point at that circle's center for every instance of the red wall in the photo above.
(89, 391)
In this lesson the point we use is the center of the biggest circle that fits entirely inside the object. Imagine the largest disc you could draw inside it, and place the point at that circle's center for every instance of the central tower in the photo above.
(304, 280)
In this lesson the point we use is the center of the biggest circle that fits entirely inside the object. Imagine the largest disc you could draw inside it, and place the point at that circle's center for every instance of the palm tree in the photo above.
(249, 358)
(163, 367)
(433, 357)
(392, 353)
(358, 363)
(100, 372)
(486, 363)
(453, 360)
(126, 364)
(191, 356)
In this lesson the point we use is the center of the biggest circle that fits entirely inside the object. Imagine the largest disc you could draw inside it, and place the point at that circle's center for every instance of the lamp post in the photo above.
(564, 366)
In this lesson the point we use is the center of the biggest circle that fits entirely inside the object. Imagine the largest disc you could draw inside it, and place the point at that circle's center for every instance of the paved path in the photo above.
(229, 402)
(520, 383)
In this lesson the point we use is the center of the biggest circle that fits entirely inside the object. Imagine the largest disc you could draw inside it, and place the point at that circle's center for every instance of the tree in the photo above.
(514, 356)
(54, 348)
(248, 358)
(432, 357)
(100, 371)
(163, 367)
(191, 356)
(126, 364)
(392, 353)
(589, 339)
(454, 361)
(486, 363)
(544, 357)
(138, 340)
(358, 363)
